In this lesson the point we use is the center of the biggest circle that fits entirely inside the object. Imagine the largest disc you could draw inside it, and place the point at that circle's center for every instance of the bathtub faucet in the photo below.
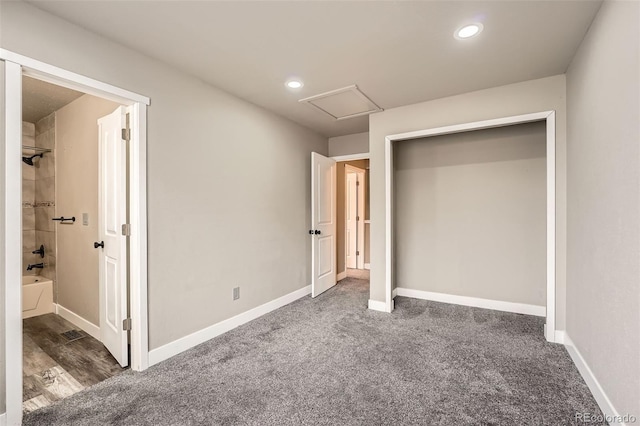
(35, 265)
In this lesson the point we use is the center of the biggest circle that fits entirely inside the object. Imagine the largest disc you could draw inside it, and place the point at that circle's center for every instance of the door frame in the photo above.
(17, 66)
(350, 157)
(360, 204)
(549, 117)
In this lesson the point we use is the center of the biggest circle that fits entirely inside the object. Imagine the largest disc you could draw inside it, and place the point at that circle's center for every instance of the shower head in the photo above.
(29, 160)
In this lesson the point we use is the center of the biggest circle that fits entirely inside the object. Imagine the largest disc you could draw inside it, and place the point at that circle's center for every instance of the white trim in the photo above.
(351, 157)
(341, 276)
(58, 76)
(476, 302)
(360, 207)
(560, 336)
(75, 319)
(13, 243)
(138, 303)
(549, 118)
(187, 342)
(3, 419)
(376, 305)
(15, 67)
(592, 382)
(367, 266)
(394, 293)
(551, 226)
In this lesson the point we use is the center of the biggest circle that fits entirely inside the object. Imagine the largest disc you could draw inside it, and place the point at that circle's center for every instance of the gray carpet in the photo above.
(330, 361)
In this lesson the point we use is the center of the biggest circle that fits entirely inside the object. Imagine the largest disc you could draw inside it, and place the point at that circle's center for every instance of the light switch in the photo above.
(85, 219)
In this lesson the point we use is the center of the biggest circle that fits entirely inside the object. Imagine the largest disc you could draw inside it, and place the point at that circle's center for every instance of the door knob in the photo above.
(100, 244)
(318, 232)
(310, 231)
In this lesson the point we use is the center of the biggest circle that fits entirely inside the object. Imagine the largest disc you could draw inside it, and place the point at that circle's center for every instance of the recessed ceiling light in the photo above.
(294, 84)
(468, 31)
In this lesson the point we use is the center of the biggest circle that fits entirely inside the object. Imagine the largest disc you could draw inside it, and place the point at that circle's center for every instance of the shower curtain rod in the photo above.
(35, 148)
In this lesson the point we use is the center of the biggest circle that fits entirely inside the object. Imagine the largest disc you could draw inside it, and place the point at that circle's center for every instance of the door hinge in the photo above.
(357, 217)
(126, 132)
(357, 253)
(126, 324)
(126, 229)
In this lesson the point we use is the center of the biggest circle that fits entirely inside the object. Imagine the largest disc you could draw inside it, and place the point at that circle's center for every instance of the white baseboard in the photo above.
(187, 342)
(598, 393)
(75, 319)
(341, 276)
(497, 305)
(367, 266)
(394, 293)
(376, 305)
(3, 419)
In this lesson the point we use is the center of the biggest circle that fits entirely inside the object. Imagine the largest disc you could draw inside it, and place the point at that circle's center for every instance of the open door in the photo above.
(323, 223)
(112, 208)
(351, 216)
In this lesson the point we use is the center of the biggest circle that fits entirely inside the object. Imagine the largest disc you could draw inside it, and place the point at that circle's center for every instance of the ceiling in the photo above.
(39, 99)
(397, 52)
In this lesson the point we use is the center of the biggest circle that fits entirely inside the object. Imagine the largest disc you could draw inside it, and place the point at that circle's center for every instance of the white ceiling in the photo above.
(398, 52)
(40, 99)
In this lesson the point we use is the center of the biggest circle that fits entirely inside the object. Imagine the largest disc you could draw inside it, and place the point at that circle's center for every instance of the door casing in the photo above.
(360, 201)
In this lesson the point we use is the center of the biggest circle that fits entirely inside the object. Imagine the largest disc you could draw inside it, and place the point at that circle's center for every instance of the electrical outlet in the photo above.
(236, 293)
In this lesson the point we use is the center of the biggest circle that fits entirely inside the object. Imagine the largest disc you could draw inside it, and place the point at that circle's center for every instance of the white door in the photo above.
(323, 223)
(112, 208)
(351, 220)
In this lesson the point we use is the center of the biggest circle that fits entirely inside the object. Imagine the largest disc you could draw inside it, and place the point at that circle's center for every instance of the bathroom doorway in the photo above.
(353, 224)
(15, 66)
(67, 341)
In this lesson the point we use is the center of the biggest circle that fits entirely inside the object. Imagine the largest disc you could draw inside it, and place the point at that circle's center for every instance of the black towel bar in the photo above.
(64, 219)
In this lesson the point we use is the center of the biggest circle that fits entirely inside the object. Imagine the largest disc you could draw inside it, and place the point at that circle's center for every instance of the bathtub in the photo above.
(37, 296)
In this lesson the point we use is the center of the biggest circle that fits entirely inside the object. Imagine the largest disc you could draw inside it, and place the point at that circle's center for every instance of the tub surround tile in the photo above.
(28, 240)
(28, 172)
(28, 129)
(28, 191)
(28, 219)
(49, 270)
(44, 218)
(44, 204)
(46, 140)
(30, 258)
(28, 140)
(48, 239)
(45, 124)
(45, 166)
(45, 190)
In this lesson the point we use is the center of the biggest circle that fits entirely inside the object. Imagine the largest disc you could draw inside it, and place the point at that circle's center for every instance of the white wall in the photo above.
(514, 99)
(603, 241)
(215, 165)
(470, 214)
(356, 143)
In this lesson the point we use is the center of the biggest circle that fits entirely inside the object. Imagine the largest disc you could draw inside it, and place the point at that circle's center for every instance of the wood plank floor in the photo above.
(55, 366)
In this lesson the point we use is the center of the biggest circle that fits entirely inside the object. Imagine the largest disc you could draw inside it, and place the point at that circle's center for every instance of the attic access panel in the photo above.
(344, 103)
